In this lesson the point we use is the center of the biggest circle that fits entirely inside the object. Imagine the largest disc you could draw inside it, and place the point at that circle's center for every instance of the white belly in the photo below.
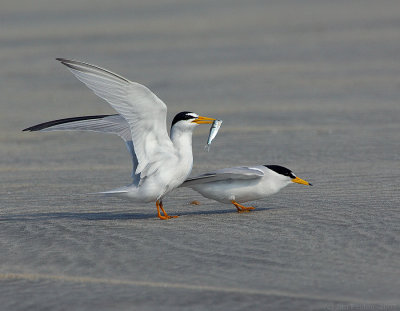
(157, 185)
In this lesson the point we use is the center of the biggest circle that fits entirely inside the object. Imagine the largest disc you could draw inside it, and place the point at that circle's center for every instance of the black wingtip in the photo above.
(66, 62)
(62, 60)
(42, 126)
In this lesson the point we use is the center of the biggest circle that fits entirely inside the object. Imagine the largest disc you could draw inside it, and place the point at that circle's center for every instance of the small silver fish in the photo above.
(213, 132)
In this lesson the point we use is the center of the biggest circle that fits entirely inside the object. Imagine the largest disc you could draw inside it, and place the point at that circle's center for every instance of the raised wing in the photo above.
(233, 173)
(143, 110)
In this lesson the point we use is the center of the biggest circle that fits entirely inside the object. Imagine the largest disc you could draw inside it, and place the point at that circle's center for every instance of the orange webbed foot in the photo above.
(165, 216)
(241, 208)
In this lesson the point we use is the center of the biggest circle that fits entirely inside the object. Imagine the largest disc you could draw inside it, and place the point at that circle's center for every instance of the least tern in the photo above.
(160, 162)
(237, 185)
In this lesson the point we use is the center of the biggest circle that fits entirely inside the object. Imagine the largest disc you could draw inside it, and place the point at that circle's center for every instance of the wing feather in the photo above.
(110, 124)
(145, 113)
(232, 173)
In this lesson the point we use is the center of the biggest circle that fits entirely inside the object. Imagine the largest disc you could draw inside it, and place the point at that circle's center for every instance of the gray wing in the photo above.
(110, 124)
(233, 173)
(145, 113)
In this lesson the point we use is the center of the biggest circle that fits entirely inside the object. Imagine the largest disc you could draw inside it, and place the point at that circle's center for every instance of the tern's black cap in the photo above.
(281, 170)
(184, 115)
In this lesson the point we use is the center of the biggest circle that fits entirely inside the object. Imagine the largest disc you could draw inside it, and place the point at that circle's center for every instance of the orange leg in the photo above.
(240, 208)
(165, 216)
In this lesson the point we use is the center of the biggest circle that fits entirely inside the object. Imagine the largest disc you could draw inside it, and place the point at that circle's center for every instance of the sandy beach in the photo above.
(310, 85)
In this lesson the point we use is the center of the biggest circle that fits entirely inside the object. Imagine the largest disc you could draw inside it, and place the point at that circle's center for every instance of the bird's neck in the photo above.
(182, 140)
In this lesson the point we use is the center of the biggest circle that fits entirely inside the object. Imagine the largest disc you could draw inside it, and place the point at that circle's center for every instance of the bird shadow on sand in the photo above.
(99, 216)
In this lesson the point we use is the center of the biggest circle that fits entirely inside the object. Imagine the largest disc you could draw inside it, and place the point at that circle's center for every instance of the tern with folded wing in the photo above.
(237, 185)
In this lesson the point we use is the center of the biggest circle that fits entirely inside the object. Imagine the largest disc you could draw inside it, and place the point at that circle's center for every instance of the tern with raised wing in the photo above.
(161, 162)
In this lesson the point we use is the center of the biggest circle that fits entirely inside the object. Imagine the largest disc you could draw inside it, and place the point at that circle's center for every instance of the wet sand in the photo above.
(310, 85)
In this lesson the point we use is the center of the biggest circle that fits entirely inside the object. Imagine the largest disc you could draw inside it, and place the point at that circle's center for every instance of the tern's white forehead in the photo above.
(192, 114)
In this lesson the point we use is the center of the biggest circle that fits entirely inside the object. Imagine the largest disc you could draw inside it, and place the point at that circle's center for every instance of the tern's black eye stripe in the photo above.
(281, 170)
(184, 115)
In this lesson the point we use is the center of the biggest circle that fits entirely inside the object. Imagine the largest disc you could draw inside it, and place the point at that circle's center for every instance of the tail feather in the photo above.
(124, 189)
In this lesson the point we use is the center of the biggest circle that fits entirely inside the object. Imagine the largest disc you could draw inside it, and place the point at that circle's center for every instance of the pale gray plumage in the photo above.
(243, 172)
(109, 124)
(145, 113)
(241, 184)
(112, 124)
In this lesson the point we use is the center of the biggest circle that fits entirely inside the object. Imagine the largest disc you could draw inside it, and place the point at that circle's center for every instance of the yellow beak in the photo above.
(203, 120)
(301, 181)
